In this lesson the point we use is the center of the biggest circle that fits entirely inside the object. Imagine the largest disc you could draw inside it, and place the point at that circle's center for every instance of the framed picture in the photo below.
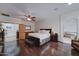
(28, 27)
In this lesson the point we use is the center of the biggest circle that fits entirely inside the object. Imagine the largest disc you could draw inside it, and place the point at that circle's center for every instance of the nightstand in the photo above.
(54, 37)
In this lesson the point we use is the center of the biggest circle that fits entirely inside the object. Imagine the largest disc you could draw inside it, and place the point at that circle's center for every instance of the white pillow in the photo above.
(43, 31)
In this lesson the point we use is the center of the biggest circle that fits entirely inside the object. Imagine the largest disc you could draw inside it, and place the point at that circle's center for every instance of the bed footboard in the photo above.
(32, 41)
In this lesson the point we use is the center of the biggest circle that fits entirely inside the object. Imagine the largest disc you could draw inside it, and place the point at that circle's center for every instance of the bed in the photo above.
(40, 38)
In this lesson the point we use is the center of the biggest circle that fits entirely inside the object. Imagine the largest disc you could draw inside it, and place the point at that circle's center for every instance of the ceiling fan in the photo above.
(29, 18)
(26, 16)
(21, 15)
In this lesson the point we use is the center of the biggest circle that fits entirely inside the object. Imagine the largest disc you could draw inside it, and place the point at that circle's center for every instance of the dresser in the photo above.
(21, 31)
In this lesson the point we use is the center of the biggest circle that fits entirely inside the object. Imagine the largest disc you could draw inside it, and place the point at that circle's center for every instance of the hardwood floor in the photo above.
(49, 49)
(74, 52)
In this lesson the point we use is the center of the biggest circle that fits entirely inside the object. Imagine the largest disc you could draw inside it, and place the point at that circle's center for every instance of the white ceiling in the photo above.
(39, 10)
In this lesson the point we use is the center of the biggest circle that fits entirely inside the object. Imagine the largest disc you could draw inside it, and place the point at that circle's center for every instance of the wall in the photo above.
(52, 23)
(32, 24)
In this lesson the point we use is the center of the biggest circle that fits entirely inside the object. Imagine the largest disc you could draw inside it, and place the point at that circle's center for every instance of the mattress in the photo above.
(42, 36)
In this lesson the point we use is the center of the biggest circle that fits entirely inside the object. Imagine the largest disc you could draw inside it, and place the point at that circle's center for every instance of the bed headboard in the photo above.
(50, 30)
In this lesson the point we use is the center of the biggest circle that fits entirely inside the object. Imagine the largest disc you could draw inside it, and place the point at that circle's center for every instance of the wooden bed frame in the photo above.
(36, 40)
(50, 30)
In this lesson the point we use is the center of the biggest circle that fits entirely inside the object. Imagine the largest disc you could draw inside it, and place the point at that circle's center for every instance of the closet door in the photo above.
(21, 31)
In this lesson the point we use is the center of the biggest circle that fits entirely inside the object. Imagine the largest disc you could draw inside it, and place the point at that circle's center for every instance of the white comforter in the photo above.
(41, 36)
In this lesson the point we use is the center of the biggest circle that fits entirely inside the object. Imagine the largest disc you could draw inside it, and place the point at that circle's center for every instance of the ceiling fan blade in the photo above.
(33, 20)
(33, 17)
(29, 16)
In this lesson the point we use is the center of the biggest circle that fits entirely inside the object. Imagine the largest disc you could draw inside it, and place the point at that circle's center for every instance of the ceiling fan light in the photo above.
(28, 19)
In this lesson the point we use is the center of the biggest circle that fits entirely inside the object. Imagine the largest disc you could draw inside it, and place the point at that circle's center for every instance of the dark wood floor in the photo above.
(74, 52)
(49, 49)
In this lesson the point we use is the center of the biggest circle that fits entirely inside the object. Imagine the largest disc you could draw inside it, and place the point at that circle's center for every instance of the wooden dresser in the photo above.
(21, 31)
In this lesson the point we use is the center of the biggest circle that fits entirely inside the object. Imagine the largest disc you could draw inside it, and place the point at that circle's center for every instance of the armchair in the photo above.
(75, 44)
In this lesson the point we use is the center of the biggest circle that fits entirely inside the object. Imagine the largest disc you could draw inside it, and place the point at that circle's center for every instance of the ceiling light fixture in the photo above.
(28, 19)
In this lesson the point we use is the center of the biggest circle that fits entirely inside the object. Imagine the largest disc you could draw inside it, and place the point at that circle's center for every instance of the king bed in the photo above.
(40, 38)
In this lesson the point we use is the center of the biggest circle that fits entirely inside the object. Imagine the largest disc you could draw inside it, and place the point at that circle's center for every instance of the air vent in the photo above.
(5, 14)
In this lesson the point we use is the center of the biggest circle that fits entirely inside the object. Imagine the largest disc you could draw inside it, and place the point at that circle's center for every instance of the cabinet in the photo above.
(21, 31)
(54, 37)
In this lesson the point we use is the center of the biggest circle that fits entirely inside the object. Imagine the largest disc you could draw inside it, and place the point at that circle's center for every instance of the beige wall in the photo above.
(52, 23)
(32, 24)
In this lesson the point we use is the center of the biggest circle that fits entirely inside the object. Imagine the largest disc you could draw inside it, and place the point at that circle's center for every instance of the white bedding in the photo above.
(42, 36)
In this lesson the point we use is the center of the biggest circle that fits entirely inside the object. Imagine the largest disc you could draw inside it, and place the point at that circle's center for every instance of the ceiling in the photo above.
(39, 10)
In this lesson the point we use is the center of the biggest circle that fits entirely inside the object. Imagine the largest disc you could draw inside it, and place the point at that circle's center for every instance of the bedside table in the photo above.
(54, 37)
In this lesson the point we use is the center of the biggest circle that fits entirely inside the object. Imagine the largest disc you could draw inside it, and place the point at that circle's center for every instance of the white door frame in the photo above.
(61, 28)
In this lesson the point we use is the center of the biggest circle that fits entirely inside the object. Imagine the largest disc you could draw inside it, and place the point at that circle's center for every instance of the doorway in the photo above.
(69, 30)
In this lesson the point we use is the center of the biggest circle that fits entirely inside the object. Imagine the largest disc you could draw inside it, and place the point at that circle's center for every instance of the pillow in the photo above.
(43, 31)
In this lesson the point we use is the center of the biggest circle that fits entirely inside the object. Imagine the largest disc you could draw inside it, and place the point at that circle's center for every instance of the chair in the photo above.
(75, 44)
